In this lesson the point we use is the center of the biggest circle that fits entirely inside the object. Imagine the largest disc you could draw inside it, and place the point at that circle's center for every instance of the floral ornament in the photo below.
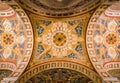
(111, 39)
(11, 39)
(8, 39)
(60, 39)
(106, 39)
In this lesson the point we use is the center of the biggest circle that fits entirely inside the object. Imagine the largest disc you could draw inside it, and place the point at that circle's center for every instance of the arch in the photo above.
(60, 64)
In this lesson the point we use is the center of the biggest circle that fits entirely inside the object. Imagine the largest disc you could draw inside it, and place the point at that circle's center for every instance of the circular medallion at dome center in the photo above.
(59, 39)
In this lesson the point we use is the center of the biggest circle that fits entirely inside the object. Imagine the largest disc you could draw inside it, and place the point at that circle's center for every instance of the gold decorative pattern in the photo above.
(15, 30)
(59, 39)
(103, 40)
(72, 50)
(70, 35)
(60, 64)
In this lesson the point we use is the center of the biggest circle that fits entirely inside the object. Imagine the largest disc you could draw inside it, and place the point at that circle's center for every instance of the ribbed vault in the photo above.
(73, 38)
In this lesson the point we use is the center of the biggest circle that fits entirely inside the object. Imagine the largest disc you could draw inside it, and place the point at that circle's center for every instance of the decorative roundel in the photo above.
(111, 39)
(59, 39)
(16, 40)
(103, 39)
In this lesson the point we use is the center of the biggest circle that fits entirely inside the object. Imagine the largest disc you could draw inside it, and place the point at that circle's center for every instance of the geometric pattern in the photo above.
(45, 31)
(61, 65)
(16, 40)
(59, 39)
(102, 39)
(106, 39)
(13, 40)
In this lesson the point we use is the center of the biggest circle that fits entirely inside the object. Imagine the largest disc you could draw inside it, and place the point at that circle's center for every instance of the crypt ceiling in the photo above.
(64, 37)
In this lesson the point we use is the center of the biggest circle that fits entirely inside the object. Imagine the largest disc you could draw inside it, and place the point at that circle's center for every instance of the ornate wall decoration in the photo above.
(57, 39)
(16, 40)
(103, 39)
(59, 64)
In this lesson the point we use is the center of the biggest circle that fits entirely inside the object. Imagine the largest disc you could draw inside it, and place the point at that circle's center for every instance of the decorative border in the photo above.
(28, 51)
(60, 64)
(8, 66)
(36, 18)
(112, 66)
(7, 13)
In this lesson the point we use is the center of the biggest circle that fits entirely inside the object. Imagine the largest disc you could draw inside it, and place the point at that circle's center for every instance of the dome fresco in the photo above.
(60, 40)
(106, 38)
(15, 41)
(103, 39)
(72, 41)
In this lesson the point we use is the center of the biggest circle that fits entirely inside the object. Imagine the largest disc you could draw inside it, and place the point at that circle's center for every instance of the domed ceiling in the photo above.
(57, 39)
(66, 40)
(103, 34)
(59, 43)
(58, 8)
(16, 41)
